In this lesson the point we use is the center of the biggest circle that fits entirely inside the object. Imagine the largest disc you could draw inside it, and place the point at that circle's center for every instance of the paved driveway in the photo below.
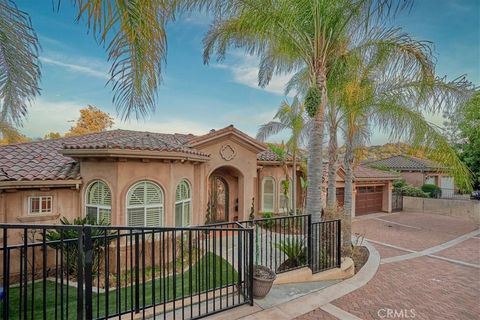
(430, 269)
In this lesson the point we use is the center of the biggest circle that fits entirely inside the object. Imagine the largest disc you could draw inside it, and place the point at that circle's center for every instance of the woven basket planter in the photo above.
(263, 279)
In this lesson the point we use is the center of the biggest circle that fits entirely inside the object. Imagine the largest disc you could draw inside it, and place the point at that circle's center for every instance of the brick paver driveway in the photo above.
(418, 277)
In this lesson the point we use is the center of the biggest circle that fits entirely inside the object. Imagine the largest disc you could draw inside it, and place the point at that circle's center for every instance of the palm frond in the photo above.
(136, 42)
(19, 65)
(269, 129)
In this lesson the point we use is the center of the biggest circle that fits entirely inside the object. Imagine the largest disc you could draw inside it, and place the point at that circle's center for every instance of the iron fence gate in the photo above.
(94, 272)
(397, 201)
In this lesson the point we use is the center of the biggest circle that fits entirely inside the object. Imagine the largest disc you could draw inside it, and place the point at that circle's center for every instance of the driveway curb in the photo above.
(299, 306)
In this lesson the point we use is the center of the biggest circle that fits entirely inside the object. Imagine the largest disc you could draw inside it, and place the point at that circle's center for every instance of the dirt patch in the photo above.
(359, 256)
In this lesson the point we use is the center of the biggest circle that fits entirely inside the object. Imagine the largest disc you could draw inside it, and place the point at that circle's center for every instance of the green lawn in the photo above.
(199, 273)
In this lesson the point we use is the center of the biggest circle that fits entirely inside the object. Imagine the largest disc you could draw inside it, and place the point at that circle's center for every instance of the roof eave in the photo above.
(129, 153)
(26, 184)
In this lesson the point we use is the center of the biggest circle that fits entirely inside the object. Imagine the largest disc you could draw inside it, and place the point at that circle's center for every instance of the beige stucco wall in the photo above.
(464, 209)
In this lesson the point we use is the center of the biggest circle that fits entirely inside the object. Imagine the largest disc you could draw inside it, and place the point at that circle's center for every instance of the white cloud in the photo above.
(245, 71)
(95, 71)
(48, 116)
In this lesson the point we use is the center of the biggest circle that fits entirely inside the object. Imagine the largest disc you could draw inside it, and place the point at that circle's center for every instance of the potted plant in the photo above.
(263, 277)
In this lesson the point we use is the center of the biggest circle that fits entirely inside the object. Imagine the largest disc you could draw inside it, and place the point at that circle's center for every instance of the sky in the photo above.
(194, 97)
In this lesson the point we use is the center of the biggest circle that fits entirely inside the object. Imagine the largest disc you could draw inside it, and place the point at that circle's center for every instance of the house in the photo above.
(153, 179)
(417, 171)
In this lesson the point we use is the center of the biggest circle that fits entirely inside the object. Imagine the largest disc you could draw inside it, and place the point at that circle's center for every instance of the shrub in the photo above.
(295, 250)
(70, 245)
(411, 191)
(432, 190)
(269, 222)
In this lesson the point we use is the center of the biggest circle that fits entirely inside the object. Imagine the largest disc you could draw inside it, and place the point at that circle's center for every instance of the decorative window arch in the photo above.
(268, 194)
(285, 198)
(183, 204)
(98, 202)
(145, 205)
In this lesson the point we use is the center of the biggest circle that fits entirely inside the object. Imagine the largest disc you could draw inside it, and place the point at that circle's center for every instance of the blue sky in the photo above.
(194, 97)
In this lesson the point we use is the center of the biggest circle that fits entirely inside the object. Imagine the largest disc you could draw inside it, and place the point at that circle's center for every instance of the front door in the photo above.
(219, 199)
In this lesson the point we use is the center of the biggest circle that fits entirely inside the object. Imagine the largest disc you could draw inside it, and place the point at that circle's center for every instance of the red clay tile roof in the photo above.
(403, 162)
(41, 160)
(269, 155)
(363, 172)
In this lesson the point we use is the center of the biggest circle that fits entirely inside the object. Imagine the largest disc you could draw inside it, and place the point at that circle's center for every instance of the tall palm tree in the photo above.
(133, 33)
(390, 92)
(289, 117)
(290, 35)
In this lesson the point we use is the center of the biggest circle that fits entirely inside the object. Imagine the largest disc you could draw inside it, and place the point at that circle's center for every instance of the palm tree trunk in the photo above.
(348, 166)
(315, 156)
(332, 166)
(294, 183)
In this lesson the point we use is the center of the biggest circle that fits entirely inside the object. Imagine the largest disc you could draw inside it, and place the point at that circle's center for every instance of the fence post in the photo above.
(309, 241)
(87, 232)
(80, 273)
(339, 243)
(239, 246)
(6, 274)
(137, 273)
(250, 266)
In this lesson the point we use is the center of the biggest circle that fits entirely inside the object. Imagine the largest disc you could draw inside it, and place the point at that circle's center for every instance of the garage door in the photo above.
(368, 200)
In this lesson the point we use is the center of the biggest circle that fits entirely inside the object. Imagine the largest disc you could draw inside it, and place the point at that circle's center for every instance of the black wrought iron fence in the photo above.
(325, 248)
(93, 272)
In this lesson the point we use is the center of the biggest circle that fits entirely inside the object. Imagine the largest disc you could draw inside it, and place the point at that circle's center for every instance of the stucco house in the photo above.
(417, 171)
(154, 179)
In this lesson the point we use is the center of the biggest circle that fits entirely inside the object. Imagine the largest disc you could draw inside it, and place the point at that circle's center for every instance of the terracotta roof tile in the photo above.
(41, 160)
(363, 172)
(403, 162)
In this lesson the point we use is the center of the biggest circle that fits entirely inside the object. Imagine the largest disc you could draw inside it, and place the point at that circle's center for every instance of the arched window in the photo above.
(98, 202)
(285, 196)
(183, 204)
(268, 194)
(145, 205)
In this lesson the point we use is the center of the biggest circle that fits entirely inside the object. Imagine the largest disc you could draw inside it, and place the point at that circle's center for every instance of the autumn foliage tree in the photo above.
(91, 120)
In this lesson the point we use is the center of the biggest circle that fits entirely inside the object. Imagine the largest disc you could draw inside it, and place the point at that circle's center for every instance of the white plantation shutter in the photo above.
(268, 194)
(145, 205)
(99, 202)
(183, 200)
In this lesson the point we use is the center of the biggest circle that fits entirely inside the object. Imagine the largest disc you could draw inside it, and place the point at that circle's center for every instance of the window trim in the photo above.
(183, 202)
(274, 183)
(41, 212)
(98, 207)
(145, 207)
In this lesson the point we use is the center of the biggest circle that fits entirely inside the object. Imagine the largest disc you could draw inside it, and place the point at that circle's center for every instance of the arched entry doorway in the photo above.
(225, 194)
(219, 199)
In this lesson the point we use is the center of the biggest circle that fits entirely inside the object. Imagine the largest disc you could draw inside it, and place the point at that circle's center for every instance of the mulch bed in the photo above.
(360, 257)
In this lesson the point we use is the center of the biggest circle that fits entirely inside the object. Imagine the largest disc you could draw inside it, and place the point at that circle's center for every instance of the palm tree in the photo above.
(291, 35)
(289, 117)
(390, 92)
(133, 33)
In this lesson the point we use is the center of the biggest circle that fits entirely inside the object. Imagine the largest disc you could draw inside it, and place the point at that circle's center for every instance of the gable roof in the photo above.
(406, 163)
(237, 135)
(367, 173)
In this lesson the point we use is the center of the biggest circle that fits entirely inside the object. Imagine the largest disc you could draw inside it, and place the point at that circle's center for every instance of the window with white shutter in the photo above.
(145, 205)
(183, 204)
(268, 194)
(99, 202)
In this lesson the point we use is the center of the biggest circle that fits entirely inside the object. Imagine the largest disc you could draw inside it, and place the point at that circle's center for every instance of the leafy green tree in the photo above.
(467, 121)
(292, 118)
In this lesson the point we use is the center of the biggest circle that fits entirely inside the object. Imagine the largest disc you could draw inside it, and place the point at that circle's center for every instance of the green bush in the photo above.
(432, 190)
(411, 191)
(269, 222)
(295, 250)
(70, 245)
